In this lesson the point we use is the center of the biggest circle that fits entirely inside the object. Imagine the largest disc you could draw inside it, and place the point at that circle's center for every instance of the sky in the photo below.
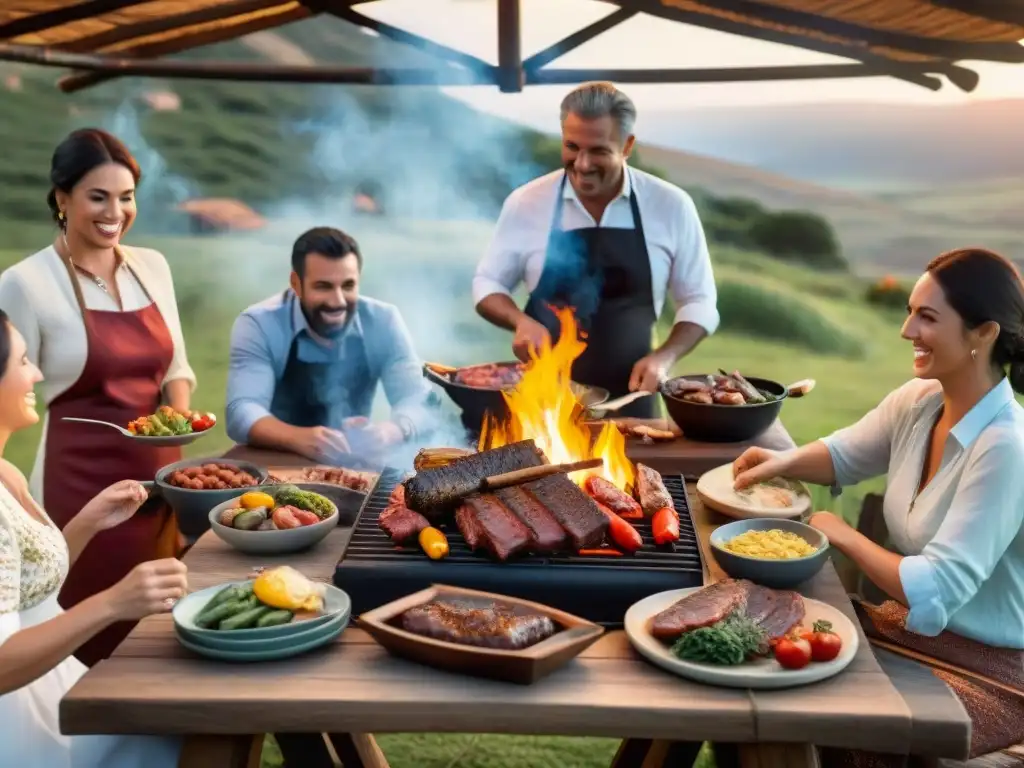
(646, 41)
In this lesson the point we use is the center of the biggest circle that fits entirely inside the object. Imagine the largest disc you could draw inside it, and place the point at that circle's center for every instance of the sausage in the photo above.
(623, 535)
(619, 502)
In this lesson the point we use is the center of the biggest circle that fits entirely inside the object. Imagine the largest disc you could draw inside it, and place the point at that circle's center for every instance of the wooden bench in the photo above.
(925, 694)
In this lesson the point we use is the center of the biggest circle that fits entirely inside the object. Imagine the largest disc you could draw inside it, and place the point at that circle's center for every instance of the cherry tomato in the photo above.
(793, 653)
(825, 644)
(285, 517)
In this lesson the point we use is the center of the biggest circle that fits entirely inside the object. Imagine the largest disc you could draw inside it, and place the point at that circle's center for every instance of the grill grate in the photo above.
(374, 571)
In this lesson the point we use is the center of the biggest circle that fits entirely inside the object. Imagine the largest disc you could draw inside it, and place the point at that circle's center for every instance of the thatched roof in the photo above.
(903, 38)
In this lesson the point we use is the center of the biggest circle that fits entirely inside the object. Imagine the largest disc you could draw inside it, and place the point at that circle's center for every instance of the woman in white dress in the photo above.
(38, 638)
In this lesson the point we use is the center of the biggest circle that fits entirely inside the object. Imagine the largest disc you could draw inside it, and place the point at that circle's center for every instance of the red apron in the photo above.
(128, 356)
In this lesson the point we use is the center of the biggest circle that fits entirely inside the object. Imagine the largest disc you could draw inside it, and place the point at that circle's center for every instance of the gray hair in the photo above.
(595, 100)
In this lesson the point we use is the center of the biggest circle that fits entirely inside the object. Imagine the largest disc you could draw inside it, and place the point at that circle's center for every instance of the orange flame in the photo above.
(544, 408)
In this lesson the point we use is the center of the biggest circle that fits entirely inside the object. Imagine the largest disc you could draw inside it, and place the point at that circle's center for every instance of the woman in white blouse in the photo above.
(101, 322)
(37, 638)
(951, 442)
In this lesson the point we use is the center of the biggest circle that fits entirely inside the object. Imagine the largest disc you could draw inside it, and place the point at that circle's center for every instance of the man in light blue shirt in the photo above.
(305, 363)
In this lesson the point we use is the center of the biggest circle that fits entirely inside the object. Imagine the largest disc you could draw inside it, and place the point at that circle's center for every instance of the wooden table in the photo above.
(153, 685)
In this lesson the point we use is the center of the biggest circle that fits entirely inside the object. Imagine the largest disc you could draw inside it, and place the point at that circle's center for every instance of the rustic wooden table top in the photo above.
(153, 685)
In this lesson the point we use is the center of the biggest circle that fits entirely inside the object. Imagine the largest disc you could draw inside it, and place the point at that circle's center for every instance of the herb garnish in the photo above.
(729, 642)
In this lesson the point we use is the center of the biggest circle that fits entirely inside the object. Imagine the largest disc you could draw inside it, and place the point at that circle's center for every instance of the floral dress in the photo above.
(33, 565)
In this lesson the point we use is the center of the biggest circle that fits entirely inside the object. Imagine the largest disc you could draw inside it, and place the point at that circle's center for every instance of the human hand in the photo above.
(323, 444)
(152, 587)
(366, 438)
(755, 465)
(833, 526)
(113, 505)
(529, 334)
(649, 372)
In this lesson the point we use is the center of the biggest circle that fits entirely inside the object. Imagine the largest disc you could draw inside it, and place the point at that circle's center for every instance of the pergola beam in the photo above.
(993, 10)
(37, 22)
(578, 38)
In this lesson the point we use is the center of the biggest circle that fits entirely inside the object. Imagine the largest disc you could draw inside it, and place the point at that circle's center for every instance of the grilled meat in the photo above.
(619, 502)
(469, 526)
(700, 609)
(398, 521)
(576, 512)
(489, 375)
(504, 534)
(548, 535)
(490, 624)
(435, 491)
(776, 611)
(651, 490)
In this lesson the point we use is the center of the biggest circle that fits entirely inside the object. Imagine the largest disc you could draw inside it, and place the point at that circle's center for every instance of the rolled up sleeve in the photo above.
(692, 278)
(501, 269)
(408, 393)
(985, 517)
(861, 451)
(251, 378)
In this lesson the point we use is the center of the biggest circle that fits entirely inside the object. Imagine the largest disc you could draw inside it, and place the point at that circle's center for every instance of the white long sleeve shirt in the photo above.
(962, 537)
(676, 246)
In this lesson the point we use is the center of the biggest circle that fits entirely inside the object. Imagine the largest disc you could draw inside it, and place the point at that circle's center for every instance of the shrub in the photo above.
(797, 236)
(762, 313)
(888, 292)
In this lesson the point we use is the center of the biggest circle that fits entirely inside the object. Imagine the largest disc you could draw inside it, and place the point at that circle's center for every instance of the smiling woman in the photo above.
(101, 323)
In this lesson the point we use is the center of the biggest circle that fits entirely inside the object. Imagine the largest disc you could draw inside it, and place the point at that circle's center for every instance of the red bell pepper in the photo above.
(665, 526)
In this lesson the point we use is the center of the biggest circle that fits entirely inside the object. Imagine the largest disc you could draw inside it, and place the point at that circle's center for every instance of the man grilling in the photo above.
(305, 363)
(609, 241)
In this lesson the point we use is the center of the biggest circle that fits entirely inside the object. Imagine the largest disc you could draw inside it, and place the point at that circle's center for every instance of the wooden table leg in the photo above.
(655, 753)
(221, 752)
(358, 750)
(778, 756)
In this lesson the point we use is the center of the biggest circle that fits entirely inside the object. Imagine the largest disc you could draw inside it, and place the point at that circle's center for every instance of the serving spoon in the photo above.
(158, 440)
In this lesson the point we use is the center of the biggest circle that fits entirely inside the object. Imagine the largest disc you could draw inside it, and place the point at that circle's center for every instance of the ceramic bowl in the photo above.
(193, 507)
(777, 574)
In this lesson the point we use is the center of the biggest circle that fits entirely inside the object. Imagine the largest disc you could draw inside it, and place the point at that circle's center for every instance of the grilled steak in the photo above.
(619, 502)
(700, 609)
(651, 490)
(760, 603)
(469, 527)
(490, 624)
(504, 534)
(787, 611)
(548, 535)
(398, 521)
(435, 491)
(572, 508)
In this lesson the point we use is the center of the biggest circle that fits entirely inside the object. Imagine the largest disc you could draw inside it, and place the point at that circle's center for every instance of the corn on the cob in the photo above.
(428, 458)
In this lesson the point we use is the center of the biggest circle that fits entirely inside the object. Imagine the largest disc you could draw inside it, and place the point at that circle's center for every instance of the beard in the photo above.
(319, 322)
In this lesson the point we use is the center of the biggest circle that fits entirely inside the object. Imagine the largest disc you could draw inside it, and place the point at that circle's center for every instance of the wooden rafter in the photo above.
(993, 10)
(578, 38)
(88, 9)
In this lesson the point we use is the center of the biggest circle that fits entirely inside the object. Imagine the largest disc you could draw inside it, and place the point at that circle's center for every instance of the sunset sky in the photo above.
(644, 41)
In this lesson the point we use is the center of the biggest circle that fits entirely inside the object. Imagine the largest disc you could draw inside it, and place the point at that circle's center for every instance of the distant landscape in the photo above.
(802, 230)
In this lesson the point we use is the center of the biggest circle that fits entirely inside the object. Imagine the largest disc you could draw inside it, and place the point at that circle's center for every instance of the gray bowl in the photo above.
(193, 507)
(777, 574)
(346, 504)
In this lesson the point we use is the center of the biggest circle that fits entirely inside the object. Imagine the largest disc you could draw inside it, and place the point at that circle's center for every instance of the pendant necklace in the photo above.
(100, 282)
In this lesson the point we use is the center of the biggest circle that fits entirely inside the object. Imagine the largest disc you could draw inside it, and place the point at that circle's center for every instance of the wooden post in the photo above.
(511, 77)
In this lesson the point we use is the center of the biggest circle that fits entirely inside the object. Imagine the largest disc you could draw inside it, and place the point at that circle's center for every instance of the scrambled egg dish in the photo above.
(770, 545)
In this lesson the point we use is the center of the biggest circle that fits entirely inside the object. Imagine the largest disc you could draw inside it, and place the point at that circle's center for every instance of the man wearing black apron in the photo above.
(306, 364)
(604, 269)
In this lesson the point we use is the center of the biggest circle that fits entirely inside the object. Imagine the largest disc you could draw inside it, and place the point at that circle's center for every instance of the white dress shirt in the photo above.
(963, 535)
(678, 251)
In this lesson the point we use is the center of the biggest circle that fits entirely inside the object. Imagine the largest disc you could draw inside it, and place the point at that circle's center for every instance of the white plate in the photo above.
(715, 490)
(761, 674)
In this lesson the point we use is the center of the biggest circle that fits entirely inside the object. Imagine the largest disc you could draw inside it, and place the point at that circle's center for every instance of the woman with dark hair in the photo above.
(952, 444)
(37, 638)
(101, 322)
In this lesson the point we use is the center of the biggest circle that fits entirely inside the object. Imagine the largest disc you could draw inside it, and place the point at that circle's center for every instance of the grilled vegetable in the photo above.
(285, 588)
(434, 543)
(274, 618)
(213, 616)
(245, 619)
(307, 500)
(622, 533)
(727, 643)
(233, 592)
(665, 526)
(250, 519)
(427, 458)
(255, 499)
(227, 516)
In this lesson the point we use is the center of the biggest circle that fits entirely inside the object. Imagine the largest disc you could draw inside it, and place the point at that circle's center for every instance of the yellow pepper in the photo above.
(434, 543)
(284, 587)
(256, 499)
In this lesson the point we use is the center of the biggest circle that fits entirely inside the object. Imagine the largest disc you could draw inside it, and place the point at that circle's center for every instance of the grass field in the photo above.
(425, 268)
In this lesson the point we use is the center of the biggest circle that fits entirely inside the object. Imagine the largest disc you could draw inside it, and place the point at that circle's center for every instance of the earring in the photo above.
(60, 216)
(974, 354)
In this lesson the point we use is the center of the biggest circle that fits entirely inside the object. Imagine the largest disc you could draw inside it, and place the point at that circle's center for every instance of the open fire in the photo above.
(544, 408)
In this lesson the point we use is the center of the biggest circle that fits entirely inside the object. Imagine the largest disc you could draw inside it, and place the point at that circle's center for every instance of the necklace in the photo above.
(100, 282)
